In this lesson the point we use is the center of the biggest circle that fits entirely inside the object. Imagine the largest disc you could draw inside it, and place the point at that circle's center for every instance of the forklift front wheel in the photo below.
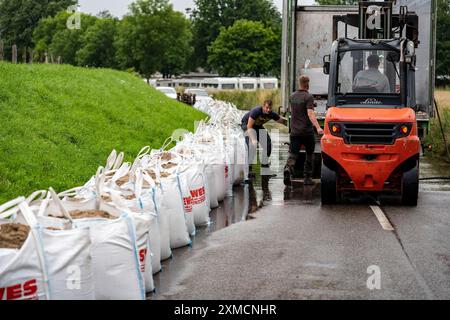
(410, 187)
(328, 186)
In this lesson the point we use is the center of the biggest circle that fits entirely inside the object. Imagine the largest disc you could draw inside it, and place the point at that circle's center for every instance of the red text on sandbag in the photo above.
(142, 256)
(198, 196)
(187, 204)
(26, 290)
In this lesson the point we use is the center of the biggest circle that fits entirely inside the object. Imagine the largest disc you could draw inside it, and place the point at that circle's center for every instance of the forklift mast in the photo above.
(375, 20)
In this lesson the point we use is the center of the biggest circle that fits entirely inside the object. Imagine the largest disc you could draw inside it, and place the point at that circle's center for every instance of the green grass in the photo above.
(59, 123)
(435, 137)
(246, 100)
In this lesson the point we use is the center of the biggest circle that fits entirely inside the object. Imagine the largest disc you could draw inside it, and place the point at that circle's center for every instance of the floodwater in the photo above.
(265, 191)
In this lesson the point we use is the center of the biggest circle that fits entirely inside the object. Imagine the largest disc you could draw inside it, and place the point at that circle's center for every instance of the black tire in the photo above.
(328, 186)
(410, 187)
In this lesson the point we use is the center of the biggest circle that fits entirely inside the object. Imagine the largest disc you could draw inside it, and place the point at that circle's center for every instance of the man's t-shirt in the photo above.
(260, 117)
(371, 79)
(300, 101)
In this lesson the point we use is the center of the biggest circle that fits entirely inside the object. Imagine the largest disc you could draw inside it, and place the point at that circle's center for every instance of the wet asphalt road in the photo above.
(266, 243)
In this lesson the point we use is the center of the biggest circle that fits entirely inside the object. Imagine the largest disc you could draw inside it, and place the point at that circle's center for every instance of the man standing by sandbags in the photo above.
(302, 131)
(253, 124)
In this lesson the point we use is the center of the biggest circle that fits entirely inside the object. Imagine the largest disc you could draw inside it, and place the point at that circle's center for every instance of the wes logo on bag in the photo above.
(188, 204)
(22, 291)
(142, 256)
(198, 196)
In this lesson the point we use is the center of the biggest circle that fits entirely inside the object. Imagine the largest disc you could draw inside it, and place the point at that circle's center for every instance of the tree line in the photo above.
(232, 37)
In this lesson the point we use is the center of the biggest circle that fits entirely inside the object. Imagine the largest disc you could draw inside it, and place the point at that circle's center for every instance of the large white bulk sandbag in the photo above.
(116, 259)
(241, 161)
(115, 254)
(173, 207)
(129, 181)
(155, 246)
(213, 199)
(229, 170)
(50, 265)
(109, 200)
(160, 237)
(216, 157)
(164, 228)
(220, 180)
(187, 203)
(141, 221)
(150, 201)
(197, 183)
(164, 165)
(188, 208)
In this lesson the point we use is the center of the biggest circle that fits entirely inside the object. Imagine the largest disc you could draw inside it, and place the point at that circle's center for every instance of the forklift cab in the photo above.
(368, 73)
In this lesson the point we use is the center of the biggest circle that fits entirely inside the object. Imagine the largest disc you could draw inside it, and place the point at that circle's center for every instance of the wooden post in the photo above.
(14, 54)
(59, 60)
(1, 50)
(46, 57)
(24, 55)
(31, 55)
(51, 58)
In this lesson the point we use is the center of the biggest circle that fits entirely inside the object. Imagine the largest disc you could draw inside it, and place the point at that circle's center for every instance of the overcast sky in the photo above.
(120, 7)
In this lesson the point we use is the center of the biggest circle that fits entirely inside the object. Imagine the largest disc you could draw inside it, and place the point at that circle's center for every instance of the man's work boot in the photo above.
(308, 182)
(287, 178)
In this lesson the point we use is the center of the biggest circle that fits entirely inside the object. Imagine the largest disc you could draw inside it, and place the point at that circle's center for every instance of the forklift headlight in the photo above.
(336, 129)
(405, 130)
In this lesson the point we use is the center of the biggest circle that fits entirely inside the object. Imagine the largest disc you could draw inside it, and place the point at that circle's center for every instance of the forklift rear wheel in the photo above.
(328, 186)
(410, 187)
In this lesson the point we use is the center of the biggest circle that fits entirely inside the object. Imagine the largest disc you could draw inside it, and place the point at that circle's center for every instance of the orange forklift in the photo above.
(371, 142)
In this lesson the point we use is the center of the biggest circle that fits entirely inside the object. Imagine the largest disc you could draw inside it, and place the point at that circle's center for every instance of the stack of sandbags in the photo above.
(107, 238)
(120, 240)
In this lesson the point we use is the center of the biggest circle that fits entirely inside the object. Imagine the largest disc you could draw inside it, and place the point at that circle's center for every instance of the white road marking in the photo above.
(382, 218)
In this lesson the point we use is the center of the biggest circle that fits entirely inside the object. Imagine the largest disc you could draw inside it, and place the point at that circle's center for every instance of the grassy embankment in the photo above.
(59, 123)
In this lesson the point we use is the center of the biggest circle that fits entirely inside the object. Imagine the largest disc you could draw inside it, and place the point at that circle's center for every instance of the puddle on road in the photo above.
(264, 192)
(243, 206)
(434, 169)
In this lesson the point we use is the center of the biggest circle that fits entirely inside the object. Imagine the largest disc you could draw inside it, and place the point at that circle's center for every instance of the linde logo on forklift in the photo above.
(372, 101)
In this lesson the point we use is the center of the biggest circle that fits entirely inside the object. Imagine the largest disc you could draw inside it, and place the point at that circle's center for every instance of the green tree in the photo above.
(150, 38)
(53, 36)
(45, 31)
(19, 18)
(246, 48)
(211, 15)
(443, 39)
(98, 48)
(178, 37)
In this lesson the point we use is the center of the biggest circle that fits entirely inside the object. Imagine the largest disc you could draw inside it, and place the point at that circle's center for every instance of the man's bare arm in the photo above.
(312, 117)
(251, 132)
